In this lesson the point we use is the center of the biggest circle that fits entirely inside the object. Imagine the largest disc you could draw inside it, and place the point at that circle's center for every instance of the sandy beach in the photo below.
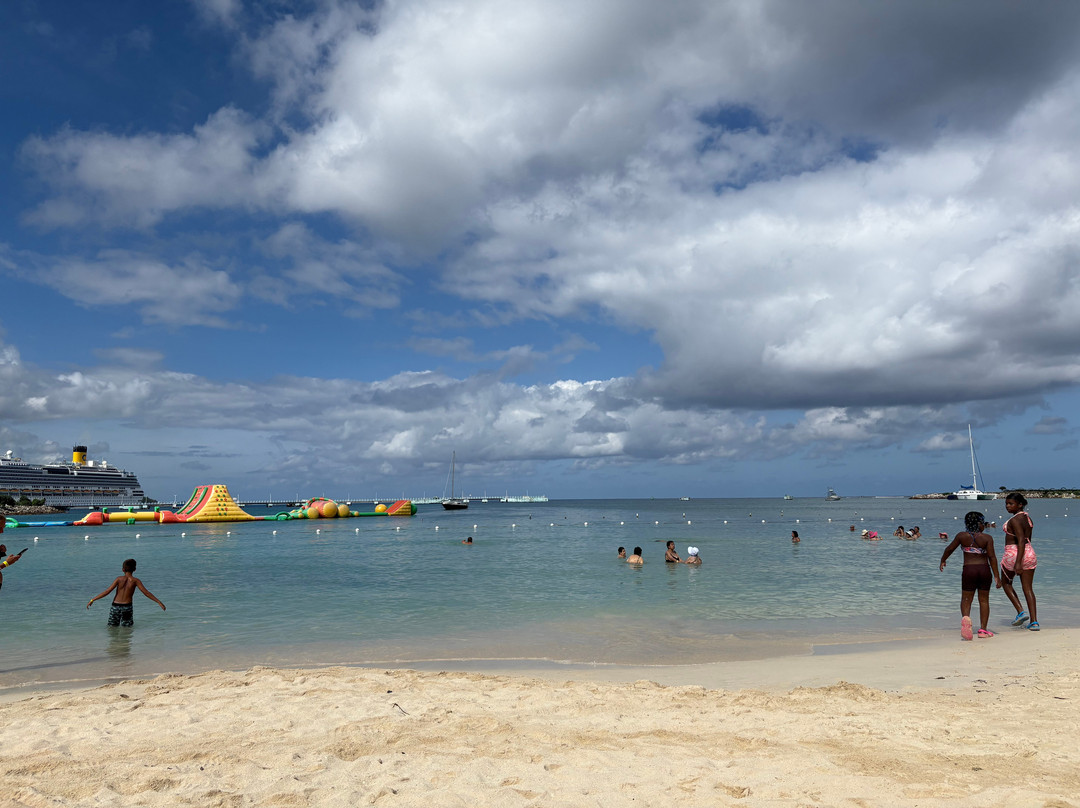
(936, 723)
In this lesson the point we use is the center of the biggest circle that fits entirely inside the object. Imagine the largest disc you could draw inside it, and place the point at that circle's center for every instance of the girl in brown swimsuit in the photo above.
(980, 566)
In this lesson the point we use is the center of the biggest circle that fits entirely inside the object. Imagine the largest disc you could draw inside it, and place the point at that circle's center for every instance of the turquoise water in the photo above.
(541, 582)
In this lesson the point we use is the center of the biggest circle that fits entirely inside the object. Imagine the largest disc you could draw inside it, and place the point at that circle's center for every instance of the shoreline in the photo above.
(878, 662)
(928, 724)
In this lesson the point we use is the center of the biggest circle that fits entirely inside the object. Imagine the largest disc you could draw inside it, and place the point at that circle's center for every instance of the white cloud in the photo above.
(559, 158)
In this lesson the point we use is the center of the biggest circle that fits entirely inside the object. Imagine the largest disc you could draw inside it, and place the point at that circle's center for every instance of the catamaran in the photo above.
(972, 491)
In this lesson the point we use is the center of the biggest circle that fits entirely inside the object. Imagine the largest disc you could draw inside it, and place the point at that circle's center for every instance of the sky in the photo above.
(603, 249)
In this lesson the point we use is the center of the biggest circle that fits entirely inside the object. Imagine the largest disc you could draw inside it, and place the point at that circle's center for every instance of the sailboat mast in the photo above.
(971, 446)
(453, 458)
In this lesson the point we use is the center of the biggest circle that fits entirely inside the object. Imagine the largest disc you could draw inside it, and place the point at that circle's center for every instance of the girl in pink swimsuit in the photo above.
(980, 566)
(1019, 559)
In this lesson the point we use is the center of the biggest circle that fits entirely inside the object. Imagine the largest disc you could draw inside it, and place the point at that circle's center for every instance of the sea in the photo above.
(541, 585)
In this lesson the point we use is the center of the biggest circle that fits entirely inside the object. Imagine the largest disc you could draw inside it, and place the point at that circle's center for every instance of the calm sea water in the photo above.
(541, 582)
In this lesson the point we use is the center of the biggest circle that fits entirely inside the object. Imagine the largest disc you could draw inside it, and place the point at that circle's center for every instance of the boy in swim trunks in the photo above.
(122, 613)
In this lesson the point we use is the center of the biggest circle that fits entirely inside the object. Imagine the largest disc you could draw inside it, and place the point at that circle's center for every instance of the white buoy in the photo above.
(586, 524)
(87, 538)
(474, 527)
(275, 532)
(228, 533)
(796, 521)
(317, 532)
(688, 521)
(622, 523)
(552, 525)
(762, 521)
(137, 535)
(436, 527)
(656, 522)
(357, 530)
(398, 527)
(725, 521)
(515, 524)
(182, 535)
(830, 518)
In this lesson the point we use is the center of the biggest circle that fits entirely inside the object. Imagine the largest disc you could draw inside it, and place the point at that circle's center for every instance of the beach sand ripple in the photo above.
(346, 737)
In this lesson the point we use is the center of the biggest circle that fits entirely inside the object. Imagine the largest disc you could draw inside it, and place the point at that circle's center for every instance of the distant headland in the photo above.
(1029, 493)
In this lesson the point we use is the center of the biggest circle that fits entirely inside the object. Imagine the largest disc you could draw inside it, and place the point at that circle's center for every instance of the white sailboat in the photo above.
(973, 491)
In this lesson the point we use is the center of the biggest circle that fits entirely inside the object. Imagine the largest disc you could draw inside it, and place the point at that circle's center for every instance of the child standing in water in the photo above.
(1019, 559)
(122, 613)
(980, 565)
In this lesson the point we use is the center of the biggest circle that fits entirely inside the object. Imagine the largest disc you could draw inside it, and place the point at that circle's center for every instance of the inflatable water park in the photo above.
(213, 503)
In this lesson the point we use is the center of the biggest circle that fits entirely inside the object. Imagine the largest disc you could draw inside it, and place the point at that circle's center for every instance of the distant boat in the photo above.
(788, 496)
(453, 503)
(972, 491)
(684, 499)
(832, 496)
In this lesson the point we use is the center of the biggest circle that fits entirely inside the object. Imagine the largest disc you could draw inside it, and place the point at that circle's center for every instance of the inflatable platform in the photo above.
(213, 503)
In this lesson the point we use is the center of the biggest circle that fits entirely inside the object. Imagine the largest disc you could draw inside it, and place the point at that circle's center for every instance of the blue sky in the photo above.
(604, 249)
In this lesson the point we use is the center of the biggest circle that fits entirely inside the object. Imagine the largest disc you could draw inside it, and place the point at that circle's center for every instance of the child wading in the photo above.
(121, 612)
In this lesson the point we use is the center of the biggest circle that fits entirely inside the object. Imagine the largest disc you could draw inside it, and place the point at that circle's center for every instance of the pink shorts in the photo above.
(1008, 561)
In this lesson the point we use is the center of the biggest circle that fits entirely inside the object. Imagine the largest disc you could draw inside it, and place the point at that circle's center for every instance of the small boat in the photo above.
(788, 497)
(684, 499)
(832, 496)
(972, 491)
(452, 503)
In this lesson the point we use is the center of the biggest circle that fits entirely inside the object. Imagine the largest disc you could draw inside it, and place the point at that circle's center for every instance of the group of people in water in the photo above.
(671, 555)
(981, 567)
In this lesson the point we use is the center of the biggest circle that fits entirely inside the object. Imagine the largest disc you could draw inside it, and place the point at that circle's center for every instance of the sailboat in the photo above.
(972, 491)
(453, 503)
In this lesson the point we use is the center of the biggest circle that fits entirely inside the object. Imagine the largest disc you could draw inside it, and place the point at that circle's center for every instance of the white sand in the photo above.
(986, 723)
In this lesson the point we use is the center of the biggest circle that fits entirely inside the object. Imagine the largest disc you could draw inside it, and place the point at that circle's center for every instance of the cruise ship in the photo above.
(80, 483)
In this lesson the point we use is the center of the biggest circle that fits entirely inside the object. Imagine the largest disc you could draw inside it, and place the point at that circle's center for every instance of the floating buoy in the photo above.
(87, 538)
(796, 521)
(622, 523)
(317, 532)
(552, 525)
(436, 527)
(182, 535)
(357, 530)
(687, 521)
(474, 527)
(586, 524)
(84, 537)
(515, 524)
(656, 522)
(274, 532)
(137, 535)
